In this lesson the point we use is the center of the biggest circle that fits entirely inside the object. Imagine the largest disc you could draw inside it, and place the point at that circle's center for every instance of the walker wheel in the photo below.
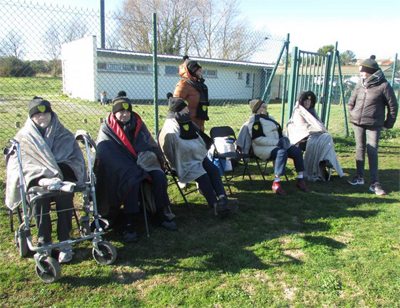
(51, 270)
(106, 253)
(21, 243)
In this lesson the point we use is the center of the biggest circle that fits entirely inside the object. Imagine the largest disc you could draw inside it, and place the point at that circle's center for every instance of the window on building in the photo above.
(171, 70)
(248, 79)
(210, 73)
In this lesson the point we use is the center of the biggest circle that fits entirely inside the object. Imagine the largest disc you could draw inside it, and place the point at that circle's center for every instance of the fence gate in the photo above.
(315, 72)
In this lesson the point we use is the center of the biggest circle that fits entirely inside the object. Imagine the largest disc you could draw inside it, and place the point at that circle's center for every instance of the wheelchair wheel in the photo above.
(51, 270)
(21, 243)
(106, 255)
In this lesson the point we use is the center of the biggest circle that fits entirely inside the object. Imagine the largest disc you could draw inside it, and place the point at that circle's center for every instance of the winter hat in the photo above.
(369, 65)
(191, 65)
(38, 105)
(176, 104)
(255, 104)
(121, 103)
(121, 93)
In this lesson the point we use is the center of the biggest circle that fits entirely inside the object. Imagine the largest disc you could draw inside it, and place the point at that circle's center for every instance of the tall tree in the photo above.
(12, 45)
(325, 49)
(347, 57)
(206, 28)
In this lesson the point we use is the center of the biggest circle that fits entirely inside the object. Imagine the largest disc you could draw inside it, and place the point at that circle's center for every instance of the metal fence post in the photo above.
(155, 74)
(331, 80)
(346, 125)
(394, 70)
(102, 25)
(293, 81)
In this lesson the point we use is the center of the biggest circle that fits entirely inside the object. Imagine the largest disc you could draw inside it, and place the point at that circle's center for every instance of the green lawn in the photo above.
(336, 246)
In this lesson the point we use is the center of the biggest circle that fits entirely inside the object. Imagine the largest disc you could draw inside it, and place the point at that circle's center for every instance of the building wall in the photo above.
(78, 66)
(87, 72)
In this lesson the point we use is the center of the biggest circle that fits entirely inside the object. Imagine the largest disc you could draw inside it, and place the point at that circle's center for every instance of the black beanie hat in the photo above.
(121, 103)
(192, 66)
(38, 105)
(176, 104)
(369, 65)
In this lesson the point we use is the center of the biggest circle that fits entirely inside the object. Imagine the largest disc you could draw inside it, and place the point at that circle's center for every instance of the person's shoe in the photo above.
(357, 180)
(129, 235)
(376, 188)
(221, 208)
(276, 187)
(103, 223)
(301, 184)
(169, 225)
(65, 255)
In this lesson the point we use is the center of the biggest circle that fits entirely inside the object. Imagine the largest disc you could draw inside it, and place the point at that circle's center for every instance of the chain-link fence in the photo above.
(55, 52)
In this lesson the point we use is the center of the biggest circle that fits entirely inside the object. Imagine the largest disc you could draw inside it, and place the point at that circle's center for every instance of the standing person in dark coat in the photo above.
(192, 89)
(368, 104)
(127, 155)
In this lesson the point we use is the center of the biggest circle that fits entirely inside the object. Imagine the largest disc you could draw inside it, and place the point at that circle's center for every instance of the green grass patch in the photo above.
(336, 246)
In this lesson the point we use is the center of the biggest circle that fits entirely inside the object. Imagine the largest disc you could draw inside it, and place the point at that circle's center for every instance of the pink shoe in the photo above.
(276, 187)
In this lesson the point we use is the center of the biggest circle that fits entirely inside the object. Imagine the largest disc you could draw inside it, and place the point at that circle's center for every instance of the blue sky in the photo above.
(366, 27)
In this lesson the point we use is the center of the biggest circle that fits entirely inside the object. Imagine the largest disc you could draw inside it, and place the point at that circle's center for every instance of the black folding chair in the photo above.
(237, 159)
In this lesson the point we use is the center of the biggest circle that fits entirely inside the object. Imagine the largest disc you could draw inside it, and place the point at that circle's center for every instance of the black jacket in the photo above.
(369, 101)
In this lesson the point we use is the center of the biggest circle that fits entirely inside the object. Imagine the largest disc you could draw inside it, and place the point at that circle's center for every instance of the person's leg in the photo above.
(207, 189)
(41, 211)
(295, 153)
(360, 138)
(131, 207)
(215, 178)
(64, 206)
(372, 136)
(279, 156)
(159, 186)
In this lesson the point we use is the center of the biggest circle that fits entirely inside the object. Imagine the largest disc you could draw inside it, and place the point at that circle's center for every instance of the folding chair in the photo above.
(171, 173)
(231, 154)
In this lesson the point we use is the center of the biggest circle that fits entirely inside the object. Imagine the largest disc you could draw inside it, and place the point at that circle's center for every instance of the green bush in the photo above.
(14, 67)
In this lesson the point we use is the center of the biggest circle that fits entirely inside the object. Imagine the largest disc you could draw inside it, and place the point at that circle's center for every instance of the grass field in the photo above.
(336, 246)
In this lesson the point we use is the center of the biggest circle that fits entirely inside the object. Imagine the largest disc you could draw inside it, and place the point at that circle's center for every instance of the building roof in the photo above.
(163, 58)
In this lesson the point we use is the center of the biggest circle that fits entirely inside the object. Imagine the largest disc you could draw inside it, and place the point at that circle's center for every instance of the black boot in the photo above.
(129, 234)
(221, 208)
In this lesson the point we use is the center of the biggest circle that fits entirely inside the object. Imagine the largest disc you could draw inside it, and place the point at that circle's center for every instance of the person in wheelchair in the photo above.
(307, 131)
(268, 143)
(50, 155)
(126, 156)
(186, 151)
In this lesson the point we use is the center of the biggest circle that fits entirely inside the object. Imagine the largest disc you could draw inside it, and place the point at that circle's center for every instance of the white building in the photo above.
(88, 70)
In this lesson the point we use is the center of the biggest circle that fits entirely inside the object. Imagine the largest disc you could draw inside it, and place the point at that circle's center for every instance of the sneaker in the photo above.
(377, 189)
(357, 180)
(129, 235)
(276, 187)
(221, 207)
(169, 225)
(301, 184)
(65, 255)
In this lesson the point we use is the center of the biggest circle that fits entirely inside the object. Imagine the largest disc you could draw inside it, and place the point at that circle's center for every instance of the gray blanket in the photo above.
(41, 155)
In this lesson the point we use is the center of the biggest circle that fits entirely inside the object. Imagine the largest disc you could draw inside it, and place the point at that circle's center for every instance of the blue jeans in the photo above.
(280, 157)
(367, 139)
(210, 183)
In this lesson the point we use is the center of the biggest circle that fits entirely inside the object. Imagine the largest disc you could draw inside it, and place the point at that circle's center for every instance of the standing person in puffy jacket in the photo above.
(192, 88)
(367, 106)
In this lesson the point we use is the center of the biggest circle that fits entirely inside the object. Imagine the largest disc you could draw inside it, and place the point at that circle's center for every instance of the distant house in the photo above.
(88, 71)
